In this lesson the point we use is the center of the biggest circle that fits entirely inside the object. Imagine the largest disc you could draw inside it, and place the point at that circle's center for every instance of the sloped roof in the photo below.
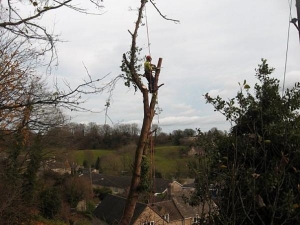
(111, 181)
(125, 181)
(161, 185)
(187, 210)
(53, 164)
(190, 185)
(167, 207)
(111, 209)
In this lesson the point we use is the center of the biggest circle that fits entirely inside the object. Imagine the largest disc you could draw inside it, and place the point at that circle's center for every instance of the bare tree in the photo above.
(22, 88)
(27, 104)
(23, 19)
(130, 68)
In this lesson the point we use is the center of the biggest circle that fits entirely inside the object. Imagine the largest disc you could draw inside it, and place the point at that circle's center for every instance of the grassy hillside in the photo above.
(167, 160)
(81, 155)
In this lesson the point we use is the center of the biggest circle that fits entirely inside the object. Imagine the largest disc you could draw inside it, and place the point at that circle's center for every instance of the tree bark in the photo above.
(149, 113)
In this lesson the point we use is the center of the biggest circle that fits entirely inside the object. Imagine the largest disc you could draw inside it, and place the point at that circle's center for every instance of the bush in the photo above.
(50, 203)
(102, 192)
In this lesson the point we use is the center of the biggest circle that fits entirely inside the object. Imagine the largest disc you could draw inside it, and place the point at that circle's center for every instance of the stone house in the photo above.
(110, 210)
(196, 151)
(171, 212)
(57, 166)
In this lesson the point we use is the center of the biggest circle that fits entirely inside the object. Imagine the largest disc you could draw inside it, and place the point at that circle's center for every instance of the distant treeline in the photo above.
(93, 136)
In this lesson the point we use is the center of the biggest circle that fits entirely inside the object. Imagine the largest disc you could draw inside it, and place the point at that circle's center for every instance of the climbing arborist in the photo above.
(148, 67)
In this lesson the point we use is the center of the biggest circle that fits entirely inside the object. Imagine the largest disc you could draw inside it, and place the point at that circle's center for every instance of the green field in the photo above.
(81, 155)
(167, 160)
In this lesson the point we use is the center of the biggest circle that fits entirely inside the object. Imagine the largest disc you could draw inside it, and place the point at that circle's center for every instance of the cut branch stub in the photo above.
(157, 72)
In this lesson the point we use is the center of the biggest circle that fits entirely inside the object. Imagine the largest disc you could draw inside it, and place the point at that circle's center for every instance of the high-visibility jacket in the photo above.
(147, 66)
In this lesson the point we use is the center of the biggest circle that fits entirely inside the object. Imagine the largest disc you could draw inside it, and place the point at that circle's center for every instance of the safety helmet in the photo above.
(148, 57)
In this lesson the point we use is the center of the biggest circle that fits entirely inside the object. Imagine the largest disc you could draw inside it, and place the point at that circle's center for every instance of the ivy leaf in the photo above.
(246, 86)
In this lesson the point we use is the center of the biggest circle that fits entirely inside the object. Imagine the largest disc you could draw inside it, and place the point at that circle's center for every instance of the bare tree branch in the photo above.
(40, 12)
(30, 27)
(163, 16)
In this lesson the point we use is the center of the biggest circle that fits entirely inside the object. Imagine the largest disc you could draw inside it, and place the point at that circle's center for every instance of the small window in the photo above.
(196, 220)
(148, 223)
(166, 217)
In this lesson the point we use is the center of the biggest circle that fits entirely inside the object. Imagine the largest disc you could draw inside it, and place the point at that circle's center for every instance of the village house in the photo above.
(171, 212)
(57, 166)
(110, 211)
(196, 151)
(173, 209)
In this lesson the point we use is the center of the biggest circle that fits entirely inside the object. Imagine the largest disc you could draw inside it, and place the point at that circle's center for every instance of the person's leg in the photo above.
(148, 77)
(152, 83)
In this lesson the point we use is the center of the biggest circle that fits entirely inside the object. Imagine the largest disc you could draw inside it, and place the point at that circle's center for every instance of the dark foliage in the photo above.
(256, 168)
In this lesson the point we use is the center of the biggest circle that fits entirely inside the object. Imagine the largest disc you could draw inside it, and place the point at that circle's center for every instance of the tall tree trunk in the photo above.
(149, 113)
(130, 68)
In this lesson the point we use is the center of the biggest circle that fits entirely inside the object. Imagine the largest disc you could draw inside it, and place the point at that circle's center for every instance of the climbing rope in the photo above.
(147, 31)
(287, 46)
(152, 169)
(148, 39)
(151, 141)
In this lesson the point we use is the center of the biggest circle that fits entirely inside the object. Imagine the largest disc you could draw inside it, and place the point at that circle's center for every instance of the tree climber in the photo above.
(148, 67)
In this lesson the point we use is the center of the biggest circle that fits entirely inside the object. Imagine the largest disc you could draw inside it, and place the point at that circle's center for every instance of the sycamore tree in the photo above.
(257, 164)
(130, 67)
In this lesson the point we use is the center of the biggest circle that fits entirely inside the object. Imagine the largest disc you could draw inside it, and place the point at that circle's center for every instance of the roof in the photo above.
(53, 164)
(111, 181)
(124, 182)
(161, 185)
(111, 209)
(167, 207)
(187, 210)
(190, 185)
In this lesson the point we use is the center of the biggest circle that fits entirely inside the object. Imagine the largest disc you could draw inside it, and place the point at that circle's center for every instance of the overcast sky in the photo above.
(216, 45)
